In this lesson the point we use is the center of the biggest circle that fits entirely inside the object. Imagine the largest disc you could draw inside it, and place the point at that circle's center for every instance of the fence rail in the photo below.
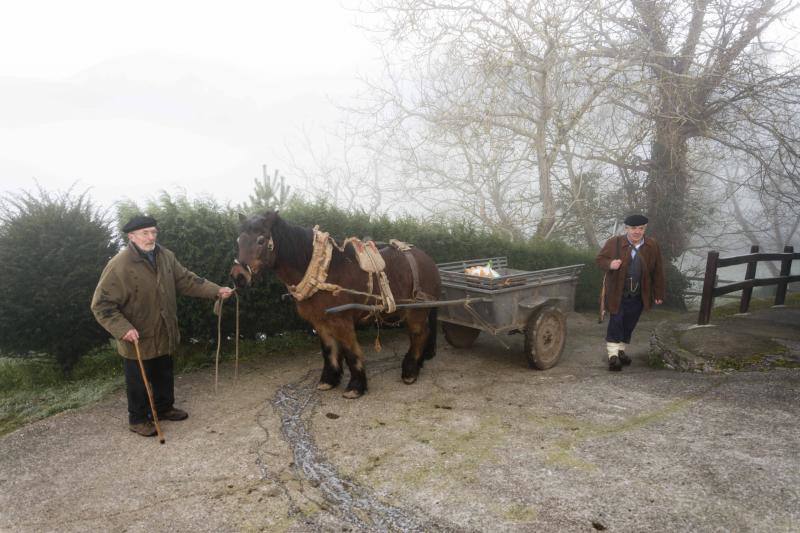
(700, 292)
(714, 262)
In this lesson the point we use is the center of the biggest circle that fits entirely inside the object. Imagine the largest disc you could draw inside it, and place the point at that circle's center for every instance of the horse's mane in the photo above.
(294, 244)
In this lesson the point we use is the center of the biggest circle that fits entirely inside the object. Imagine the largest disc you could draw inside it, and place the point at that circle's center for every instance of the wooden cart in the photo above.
(518, 301)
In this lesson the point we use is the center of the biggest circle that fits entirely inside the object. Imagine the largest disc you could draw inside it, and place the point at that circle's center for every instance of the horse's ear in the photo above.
(242, 218)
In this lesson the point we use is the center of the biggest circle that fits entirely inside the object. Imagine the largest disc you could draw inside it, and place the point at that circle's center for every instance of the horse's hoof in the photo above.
(409, 380)
(352, 394)
(324, 386)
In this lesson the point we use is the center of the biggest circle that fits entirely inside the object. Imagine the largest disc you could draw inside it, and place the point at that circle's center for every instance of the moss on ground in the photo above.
(518, 512)
(756, 304)
(33, 388)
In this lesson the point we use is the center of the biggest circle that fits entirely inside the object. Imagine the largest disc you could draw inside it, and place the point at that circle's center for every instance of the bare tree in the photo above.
(702, 76)
(342, 173)
(554, 118)
(490, 94)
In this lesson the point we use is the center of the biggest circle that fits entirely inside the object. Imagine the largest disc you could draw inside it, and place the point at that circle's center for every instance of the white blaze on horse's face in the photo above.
(266, 250)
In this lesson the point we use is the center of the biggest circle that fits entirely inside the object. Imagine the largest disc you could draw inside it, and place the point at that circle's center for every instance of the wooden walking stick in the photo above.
(149, 392)
(605, 278)
(602, 300)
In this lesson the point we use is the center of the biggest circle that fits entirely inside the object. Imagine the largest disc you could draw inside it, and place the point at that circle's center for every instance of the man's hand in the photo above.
(659, 302)
(615, 264)
(131, 336)
(224, 293)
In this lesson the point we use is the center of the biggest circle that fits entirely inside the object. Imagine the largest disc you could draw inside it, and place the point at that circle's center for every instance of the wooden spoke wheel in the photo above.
(545, 336)
(459, 336)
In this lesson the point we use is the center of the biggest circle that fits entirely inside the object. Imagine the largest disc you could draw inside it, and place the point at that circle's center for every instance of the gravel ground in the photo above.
(479, 443)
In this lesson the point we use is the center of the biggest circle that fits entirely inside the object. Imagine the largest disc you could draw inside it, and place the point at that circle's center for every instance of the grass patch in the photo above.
(33, 388)
(756, 304)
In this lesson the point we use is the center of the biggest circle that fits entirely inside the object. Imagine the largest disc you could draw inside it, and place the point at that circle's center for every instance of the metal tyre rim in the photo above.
(545, 337)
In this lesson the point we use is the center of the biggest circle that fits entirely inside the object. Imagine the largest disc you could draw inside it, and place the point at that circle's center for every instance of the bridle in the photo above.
(270, 249)
(243, 265)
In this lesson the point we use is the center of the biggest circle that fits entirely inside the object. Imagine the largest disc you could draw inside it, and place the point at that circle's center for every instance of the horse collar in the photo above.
(317, 270)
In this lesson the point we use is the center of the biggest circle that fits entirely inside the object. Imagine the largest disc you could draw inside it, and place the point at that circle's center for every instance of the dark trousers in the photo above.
(162, 383)
(621, 325)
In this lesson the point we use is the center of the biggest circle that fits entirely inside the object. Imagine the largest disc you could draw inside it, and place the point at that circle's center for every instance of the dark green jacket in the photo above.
(133, 294)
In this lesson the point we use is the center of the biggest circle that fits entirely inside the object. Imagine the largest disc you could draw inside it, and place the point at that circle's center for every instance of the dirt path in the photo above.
(479, 443)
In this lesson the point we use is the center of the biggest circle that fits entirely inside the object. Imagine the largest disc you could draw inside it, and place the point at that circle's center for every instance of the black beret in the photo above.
(139, 222)
(635, 220)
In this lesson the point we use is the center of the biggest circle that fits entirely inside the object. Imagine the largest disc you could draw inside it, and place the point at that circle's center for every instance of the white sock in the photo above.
(612, 348)
(622, 346)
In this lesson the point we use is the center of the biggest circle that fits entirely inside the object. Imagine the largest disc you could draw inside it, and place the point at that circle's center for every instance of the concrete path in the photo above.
(479, 443)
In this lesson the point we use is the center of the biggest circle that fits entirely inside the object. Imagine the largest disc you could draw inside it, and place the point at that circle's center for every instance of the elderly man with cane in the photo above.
(135, 301)
(634, 280)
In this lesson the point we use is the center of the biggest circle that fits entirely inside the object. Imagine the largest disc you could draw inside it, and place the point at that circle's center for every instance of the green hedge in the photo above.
(52, 251)
(202, 233)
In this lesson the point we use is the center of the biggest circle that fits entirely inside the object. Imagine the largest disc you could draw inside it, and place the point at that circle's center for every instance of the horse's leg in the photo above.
(345, 334)
(332, 362)
(418, 332)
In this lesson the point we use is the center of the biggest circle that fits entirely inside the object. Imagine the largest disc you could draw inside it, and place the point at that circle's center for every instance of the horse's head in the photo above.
(256, 247)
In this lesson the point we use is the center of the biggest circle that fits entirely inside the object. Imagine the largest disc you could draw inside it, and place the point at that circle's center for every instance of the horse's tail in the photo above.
(429, 351)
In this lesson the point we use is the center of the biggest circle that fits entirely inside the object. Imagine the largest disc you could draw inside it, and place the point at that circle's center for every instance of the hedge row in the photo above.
(202, 233)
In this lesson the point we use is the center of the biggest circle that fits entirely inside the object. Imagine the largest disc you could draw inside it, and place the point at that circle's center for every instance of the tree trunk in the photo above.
(544, 158)
(667, 187)
(589, 230)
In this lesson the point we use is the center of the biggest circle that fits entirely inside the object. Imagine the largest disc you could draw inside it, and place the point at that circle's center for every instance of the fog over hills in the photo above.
(131, 126)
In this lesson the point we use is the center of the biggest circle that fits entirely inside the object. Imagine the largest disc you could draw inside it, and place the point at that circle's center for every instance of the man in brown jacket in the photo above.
(135, 302)
(634, 281)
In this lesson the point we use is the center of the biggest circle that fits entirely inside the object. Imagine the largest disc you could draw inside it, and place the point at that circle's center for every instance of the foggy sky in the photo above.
(128, 99)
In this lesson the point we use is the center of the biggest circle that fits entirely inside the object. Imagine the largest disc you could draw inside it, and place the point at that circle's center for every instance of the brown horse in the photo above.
(286, 249)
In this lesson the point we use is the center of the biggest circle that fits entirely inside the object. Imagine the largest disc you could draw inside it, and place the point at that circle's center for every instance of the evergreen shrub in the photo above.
(52, 251)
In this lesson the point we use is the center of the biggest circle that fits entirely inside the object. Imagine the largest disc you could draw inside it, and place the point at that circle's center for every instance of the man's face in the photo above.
(144, 238)
(635, 233)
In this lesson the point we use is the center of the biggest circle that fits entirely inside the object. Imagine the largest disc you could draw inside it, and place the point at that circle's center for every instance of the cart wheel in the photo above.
(545, 335)
(459, 336)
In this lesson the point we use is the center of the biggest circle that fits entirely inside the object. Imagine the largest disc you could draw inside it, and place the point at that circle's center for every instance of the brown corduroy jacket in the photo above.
(653, 282)
(133, 294)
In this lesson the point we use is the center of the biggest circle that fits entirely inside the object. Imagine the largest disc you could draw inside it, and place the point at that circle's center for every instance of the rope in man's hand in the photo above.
(218, 311)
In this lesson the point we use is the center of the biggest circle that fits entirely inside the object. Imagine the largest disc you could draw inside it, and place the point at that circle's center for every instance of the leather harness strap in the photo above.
(412, 262)
(416, 293)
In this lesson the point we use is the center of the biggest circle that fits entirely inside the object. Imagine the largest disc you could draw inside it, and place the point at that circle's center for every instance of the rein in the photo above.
(218, 311)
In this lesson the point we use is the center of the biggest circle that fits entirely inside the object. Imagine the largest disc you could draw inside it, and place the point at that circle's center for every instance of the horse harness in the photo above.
(369, 260)
(417, 294)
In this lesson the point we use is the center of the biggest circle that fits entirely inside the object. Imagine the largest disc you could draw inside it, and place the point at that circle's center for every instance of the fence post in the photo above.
(786, 269)
(747, 292)
(710, 280)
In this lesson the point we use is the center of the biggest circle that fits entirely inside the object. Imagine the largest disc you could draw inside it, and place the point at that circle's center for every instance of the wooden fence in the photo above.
(714, 262)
